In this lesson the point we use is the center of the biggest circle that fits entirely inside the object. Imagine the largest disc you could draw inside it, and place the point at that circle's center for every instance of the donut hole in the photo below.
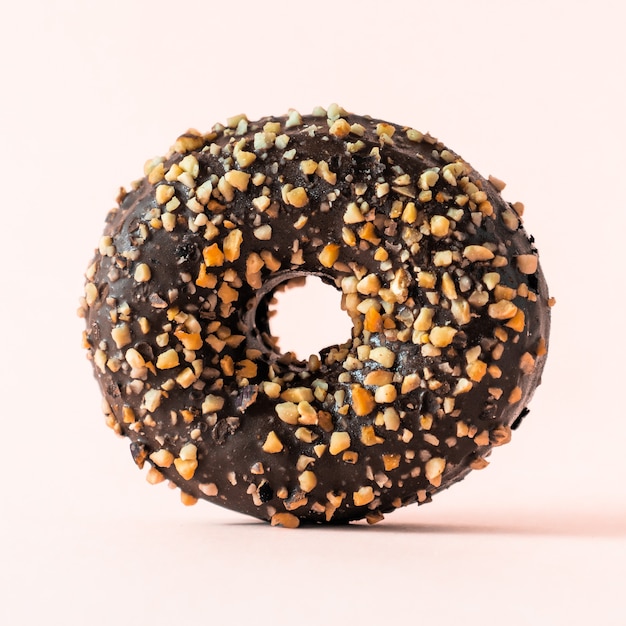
(305, 316)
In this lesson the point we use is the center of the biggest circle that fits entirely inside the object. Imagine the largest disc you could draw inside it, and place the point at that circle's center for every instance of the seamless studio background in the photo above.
(532, 93)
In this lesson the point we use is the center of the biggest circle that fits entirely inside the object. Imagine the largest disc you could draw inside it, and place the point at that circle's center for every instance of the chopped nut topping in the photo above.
(208, 489)
(434, 469)
(363, 402)
(286, 520)
(363, 496)
(391, 461)
(478, 253)
(502, 310)
(162, 458)
(340, 128)
(339, 441)
(272, 443)
(307, 481)
(329, 254)
(382, 355)
(287, 412)
(527, 263)
(167, 360)
(439, 226)
(385, 394)
(263, 233)
(442, 336)
(142, 273)
(297, 197)
(186, 467)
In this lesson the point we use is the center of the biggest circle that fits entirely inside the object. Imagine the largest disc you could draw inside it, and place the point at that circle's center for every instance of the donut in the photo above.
(449, 307)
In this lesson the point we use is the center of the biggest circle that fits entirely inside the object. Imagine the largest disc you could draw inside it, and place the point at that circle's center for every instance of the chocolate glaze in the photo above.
(176, 312)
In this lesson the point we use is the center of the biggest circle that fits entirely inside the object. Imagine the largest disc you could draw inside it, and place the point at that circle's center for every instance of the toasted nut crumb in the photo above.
(501, 435)
(191, 341)
(272, 443)
(391, 461)
(373, 323)
(476, 370)
(339, 441)
(428, 179)
(340, 128)
(271, 390)
(378, 377)
(134, 359)
(142, 273)
(162, 458)
(382, 355)
(385, 394)
(353, 214)
(527, 263)
(154, 477)
(491, 279)
(297, 197)
(186, 467)
(287, 412)
(439, 226)
(477, 253)
(305, 434)
(447, 286)
(237, 179)
(307, 481)
(329, 254)
(502, 310)
(479, 463)
(286, 520)
(121, 335)
(515, 395)
(374, 517)
(527, 363)
(167, 359)
(391, 419)
(297, 394)
(232, 245)
(369, 285)
(212, 404)
(462, 386)
(308, 166)
(213, 256)
(208, 489)
(442, 336)
(188, 452)
(434, 469)
(244, 159)
(442, 258)
(482, 439)
(369, 437)
(363, 496)
(542, 348)
(497, 183)
(385, 129)
(261, 203)
(517, 322)
(409, 383)
(263, 233)
(164, 193)
(363, 402)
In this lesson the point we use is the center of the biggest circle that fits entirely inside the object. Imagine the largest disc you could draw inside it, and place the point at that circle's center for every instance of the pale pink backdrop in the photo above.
(531, 92)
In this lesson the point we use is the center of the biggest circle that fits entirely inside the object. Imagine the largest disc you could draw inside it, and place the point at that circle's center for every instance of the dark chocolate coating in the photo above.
(449, 305)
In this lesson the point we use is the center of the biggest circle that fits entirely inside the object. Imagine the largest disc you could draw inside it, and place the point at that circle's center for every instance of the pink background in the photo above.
(532, 92)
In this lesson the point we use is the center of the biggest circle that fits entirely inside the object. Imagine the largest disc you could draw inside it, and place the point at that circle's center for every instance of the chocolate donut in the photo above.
(449, 306)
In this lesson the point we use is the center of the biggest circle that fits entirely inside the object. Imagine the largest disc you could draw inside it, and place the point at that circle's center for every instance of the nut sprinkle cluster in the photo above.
(449, 306)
